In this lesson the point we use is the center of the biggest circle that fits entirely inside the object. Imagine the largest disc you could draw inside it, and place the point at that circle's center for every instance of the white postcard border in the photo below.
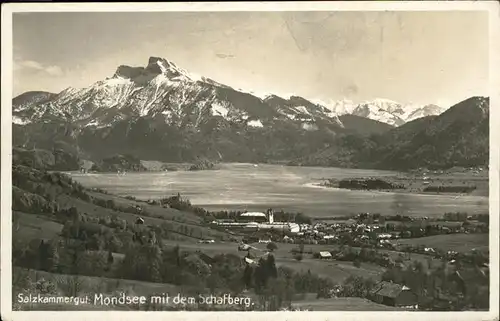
(492, 7)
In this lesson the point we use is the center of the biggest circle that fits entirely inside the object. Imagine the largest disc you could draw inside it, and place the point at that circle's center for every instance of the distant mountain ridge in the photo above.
(457, 137)
(162, 112)
(393, 113)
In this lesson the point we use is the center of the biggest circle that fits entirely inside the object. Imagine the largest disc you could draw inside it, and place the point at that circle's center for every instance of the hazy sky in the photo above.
(410, 57)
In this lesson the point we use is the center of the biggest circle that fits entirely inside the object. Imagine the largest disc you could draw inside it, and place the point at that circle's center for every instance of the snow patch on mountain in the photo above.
(166, 66)
(219, 110)
(94, 123)
(376, 112)
(162, 66)
(161, 79)
(118, 81)
(302, 110)
(290, 115)
(258, 94)
(309, 126)
(428, 110)
(19, 121)
(339, 107)
(255, 123)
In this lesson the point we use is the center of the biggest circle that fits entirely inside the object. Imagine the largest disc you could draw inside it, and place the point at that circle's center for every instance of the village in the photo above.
(366, 229)
(366, 237)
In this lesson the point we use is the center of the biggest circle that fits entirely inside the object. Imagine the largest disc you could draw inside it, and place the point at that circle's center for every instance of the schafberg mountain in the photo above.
(162, 112)
(163, 89)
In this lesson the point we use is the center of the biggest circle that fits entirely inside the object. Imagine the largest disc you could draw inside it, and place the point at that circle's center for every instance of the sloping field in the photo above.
(451, 242)
(87, 286)
(159, 214)
(343, 304)
(337, 271)
(27, 227)
(152, 210)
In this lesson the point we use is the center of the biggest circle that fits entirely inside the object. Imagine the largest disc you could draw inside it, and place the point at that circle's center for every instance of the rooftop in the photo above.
(259, 214)
(325, 254)
(389, 289)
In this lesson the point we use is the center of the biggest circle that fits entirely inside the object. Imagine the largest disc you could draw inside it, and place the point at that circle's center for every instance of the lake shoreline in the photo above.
(395, 191)
(292, 189)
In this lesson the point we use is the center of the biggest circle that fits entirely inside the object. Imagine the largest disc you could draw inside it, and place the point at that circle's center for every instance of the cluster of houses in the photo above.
(353, 230)
(324, 233)
(377, 233)
(258, 221)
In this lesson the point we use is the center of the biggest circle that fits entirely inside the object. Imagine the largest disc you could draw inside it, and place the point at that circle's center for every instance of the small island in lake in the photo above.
(363, 184)
(472, 182)
(202, 164)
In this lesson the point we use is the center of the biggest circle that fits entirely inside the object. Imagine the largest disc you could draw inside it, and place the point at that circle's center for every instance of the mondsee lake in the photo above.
(258, 187)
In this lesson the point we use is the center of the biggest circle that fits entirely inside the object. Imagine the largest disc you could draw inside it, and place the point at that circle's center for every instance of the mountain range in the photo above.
(163, 88)
(163, 112)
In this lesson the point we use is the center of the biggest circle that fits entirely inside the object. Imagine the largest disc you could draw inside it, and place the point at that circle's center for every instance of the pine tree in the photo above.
(270, 265)
(154, 262)
(247, 276)
(177, 256)
(84, 236)
(110, 258)
(53, 257)
(42, 255)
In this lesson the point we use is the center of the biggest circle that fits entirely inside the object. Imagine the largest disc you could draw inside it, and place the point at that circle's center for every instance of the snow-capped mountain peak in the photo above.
(427, 110)
(162, 88)
(167, 67)
(394, 113)
(338, 107)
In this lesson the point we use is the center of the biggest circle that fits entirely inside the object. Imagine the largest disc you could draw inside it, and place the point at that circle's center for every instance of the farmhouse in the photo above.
(249, 261)
(382, 236)
(394, 294)
(325, 255)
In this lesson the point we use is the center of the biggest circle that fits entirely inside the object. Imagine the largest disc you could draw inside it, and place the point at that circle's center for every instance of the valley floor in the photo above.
(182, 229)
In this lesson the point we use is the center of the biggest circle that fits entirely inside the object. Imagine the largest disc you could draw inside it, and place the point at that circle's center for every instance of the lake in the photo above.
(258, 187)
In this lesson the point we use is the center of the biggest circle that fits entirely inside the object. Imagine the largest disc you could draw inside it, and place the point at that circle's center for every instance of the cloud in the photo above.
(36, 66)
(54, 70)
(30, 64)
